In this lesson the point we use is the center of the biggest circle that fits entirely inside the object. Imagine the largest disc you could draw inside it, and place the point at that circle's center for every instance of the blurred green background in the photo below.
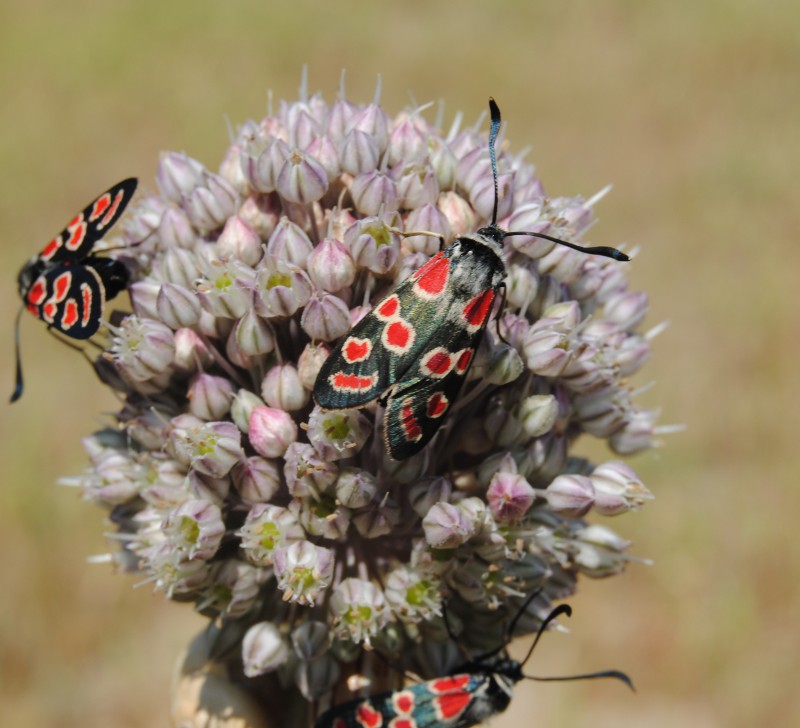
(691, 110)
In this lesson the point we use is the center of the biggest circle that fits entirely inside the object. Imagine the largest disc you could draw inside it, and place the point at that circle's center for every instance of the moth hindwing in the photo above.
(65, 285)
(474, 692)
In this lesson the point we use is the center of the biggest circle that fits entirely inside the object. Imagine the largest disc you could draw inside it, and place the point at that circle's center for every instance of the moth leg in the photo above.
(500, 313)
(412, 233)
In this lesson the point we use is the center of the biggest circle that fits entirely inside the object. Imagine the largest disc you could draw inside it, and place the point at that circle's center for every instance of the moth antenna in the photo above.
(603, 250)
(557, 612)
(19, 385)
(494, 111)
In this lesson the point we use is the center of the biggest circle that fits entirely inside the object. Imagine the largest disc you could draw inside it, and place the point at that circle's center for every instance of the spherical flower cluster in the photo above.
(290, 525)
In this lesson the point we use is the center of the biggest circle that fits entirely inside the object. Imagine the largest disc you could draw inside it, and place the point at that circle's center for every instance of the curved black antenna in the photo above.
(605, 250)
(494, 112)
(557, 612)
(19, 385)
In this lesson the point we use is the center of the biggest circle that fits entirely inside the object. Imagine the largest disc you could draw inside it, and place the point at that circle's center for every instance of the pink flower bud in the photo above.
(510, 497)
(572, 495)
(177, 306)
(330, 266)
(239, 240)
(325, 317)
(271, 431)
(289, 243)
(374, 192)
(209, 396)
(301, 178)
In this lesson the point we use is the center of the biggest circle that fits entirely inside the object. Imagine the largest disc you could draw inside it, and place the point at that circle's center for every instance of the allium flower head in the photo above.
(232, 490)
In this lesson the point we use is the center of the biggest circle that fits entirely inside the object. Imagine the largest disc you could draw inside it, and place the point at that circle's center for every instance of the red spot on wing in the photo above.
(355, 350)
(448, 683)
(437, 405)
(101, 204)
(37, 292)
(437, 362)
(432, 277)
(61, 286)
(49, 311)
(33, 309)
(70, 315)
(398, 336)
(450, 705)
(403, 722)
(411, 428)
(86, 295)
(403, 701)
(368, 717)
(388, 309)
(463, 361)
(51, 248)
(77, 233)
(342, 382)
(477, 310)
(112, 211)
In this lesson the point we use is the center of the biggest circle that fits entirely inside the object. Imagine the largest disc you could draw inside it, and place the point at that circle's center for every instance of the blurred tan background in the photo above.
(691, 110)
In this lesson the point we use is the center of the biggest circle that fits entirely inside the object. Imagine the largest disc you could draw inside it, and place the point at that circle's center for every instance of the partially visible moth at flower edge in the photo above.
(470, 695)
(65, 285)
(412, 352)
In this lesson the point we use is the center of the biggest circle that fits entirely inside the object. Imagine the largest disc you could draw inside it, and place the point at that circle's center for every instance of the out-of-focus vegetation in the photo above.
(690, 109)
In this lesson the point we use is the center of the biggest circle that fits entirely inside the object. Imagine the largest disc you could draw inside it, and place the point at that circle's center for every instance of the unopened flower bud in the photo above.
(310, 362)
(210, 205)
(271, 431)
(505, 365)
(538, 414)
(175, 231)
(358, 153)
(572, 495)
(239, 240)
(510, 497)
(282, 388)
(355, 488)
(326, 317)
(209, 396)
(256, 479)
(177, 175)
(191, 352)
(263, 649)
(330, 266)
(430, 219)
(446, 526)
(301, 178)
(289, 243)
(177, 306)
(254, 336)
(373, 192)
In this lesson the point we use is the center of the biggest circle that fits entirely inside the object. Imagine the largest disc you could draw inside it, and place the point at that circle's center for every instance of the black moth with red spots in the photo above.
(65, 285)
(413, 351)
(474, 692)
